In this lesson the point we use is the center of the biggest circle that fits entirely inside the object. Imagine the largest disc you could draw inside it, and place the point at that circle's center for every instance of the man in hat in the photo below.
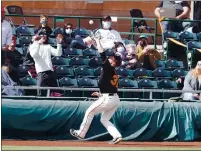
(147, 55)
(108, 101)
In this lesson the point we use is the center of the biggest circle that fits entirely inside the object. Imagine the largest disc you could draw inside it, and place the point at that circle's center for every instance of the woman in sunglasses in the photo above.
(192, 82)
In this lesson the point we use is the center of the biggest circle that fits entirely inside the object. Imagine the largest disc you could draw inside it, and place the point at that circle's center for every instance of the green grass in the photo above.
(4, 147)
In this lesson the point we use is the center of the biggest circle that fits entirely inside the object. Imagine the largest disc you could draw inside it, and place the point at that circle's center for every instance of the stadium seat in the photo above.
(23, 30)
(60, 61)
(58, 30)
(63, 71)
(174, 64)
(170, 34)
(95, 62)
(147, 83)
(82, 32)
(167, 84)
(123, 72)
(25, 40)
(19, 49)
(127, 83)
(22, 71)
(141, 73)
(199, 37)
(161, 73)
(109, 52)
(160, 64)
(84, 72)
(52, 41)
(28, 81)
(87, 82)
(97, 71)
(70, 52)
(193, 45)
(178, 73)
(89, 52)
(68, 82)
(78, 61)
(187, 36)
(127, 41)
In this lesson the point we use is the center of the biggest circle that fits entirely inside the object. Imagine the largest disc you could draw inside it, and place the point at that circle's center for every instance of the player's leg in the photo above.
(105, 120)
(94, 109)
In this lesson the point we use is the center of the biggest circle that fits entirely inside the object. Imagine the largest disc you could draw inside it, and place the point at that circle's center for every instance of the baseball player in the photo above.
(108, 101)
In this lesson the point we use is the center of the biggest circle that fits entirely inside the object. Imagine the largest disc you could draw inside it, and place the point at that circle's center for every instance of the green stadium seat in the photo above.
(161, 73)
(174, 64)
(84, 72)
(109, 52)
(82, 32)
(123, 72)
(28, 81)
(170, 34)
(97, 71)
(60, 61)
(141, 73)
(25, 40)
(199, 37)
(187, 36)
(63, 71)
(127, 41)
(78, 61)
(89, 52)
(160, 64)
(22, 71)
(23, 30)
(179, 73)
(70, 52)
(127, 83)
(52, 41)
(147, 83)
(95, 62)
(87, 82)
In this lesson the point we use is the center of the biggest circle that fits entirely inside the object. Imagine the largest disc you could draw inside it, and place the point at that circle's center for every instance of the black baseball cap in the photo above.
(118, 59)
(108, 18)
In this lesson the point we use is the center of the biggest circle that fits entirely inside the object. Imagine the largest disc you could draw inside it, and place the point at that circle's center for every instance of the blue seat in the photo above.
(68, 82)
(82, 32)
(174, 64)
(25, 40)
(28, 81)
(22, 70)
(199, 37)
(89, 52)
(70, 52)
(58, 30)
(161, 73)
(147, 83)
(127, 83)
(60, 61)
(127, 41)
(109, 52)
(97, 71)
(95, 62)
(52, 41)
(79, 61)
(63, 71)
(141, 73)
(160, 64)
(170, 34)
(24, 30)
(193, 45)
(179, 73)
(84, 72)
(87, 82)
(187, 36)
(123, 72)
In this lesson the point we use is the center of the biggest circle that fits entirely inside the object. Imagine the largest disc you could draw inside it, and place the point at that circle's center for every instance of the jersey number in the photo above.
(114, 82)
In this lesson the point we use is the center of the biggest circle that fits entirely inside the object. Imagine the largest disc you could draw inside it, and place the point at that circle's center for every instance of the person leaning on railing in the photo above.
(182, 12)
(192, 82)
(146, 54)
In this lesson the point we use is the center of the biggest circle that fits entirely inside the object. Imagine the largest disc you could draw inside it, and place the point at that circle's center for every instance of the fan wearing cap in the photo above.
(146, 54)
(108, 101)
(107, 34)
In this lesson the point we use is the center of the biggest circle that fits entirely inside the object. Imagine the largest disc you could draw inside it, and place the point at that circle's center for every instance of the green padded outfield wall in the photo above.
(137, 121)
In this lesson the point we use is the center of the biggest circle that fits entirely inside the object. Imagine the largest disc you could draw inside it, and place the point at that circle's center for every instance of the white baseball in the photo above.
(91, 22)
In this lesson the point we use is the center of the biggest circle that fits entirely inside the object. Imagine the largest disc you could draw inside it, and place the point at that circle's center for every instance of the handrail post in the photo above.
(54, 22)
(78, 22)
(133, 29)
(155, 33)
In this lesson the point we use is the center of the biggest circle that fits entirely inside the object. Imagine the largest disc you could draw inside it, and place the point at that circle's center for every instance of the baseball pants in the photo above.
(107, 105)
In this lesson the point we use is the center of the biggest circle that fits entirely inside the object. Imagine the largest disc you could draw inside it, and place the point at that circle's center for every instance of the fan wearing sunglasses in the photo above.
(192, 82)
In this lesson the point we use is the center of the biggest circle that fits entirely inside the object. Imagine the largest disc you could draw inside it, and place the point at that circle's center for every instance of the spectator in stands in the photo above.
(69, 35)
(146, 54)
(182, 12)
(107, 34)
(42, 57)
(44, 29)
(120, 49)
(192, 82)
(131, 61)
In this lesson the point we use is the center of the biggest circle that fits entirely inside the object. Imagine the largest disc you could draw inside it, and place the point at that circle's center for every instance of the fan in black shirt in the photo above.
(108, 101)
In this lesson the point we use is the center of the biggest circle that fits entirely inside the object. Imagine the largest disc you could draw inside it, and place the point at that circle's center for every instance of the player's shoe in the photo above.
(116, 140)
(75, 134)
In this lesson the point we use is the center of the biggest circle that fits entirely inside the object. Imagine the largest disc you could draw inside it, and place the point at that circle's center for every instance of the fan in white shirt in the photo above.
(41, 54)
